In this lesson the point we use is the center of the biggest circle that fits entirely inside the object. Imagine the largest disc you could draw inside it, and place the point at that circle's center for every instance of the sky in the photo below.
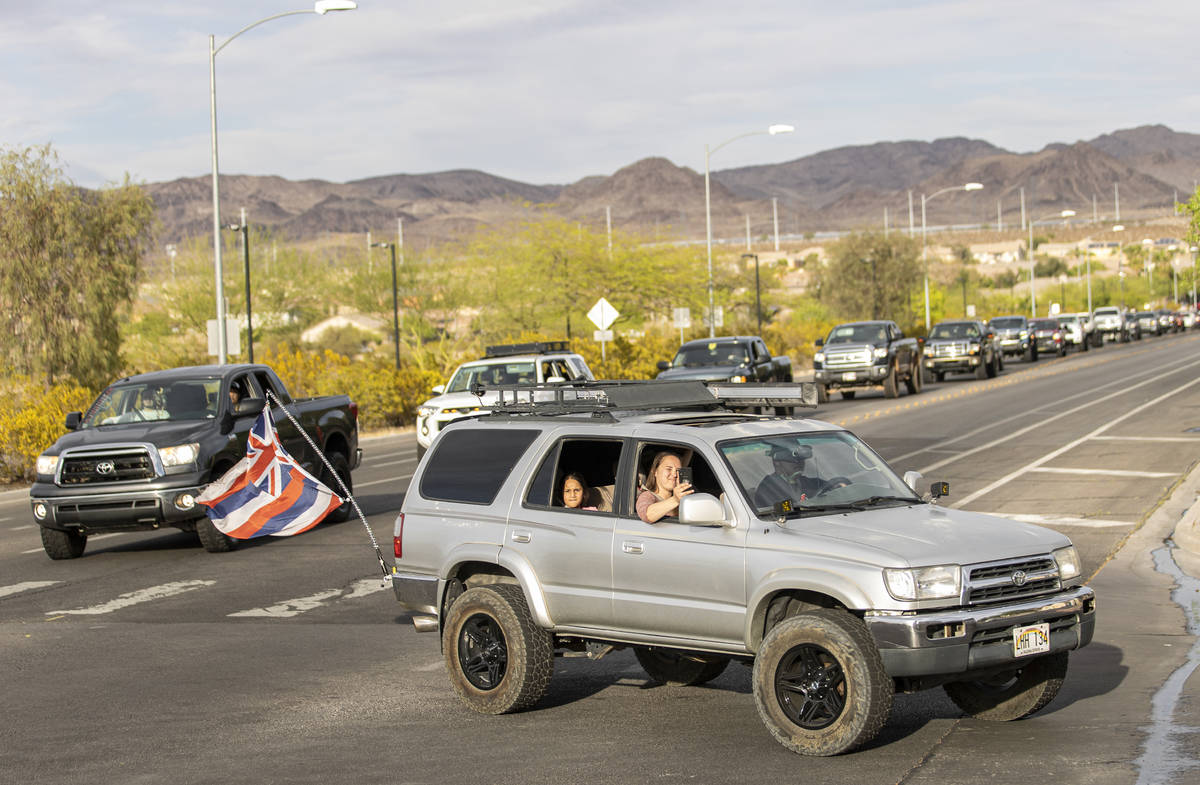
(551, 91)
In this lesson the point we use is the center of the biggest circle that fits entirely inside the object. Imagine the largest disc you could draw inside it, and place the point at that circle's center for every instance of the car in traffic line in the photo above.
(962, 346)
(543, 362)
(716, 536)
(860, 355)
(1147, 322)
(1012, 333)
(1078, 330)
(1048, 334)
(1111, 324)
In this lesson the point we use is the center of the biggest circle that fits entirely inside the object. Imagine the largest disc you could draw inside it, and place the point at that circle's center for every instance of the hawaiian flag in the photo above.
(267, 492)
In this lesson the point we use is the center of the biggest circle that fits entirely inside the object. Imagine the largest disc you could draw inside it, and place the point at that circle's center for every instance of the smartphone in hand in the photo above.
(685, 475)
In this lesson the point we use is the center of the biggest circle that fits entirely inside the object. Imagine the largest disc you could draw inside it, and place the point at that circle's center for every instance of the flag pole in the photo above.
(387, 579)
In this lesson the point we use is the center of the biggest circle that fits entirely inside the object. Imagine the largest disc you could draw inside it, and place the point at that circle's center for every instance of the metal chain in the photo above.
(346, 494)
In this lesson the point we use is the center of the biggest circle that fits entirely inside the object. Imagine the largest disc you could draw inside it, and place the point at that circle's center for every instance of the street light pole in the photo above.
(772, 130)
(1120, 265)
(757, 291)
(395, 302)
(321, 7)
(924, 257)
(244, 229)
(1033, 263)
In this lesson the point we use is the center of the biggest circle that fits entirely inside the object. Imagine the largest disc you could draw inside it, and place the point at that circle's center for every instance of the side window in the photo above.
(471, 465)
(760, 352)
(703, 478)
(579, 369)
(588, 467)
(264, 384)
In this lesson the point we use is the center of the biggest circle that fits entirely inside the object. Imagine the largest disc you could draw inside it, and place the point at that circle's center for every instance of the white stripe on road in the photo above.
(2, 520)
(358, 485)
(21, 528)
(91, 538)
(1192, 439)
(393, 463)
(290, 608)
(1106, 472)
(159, 592)
(17, 588)
(1065, 520)
(1072, 444)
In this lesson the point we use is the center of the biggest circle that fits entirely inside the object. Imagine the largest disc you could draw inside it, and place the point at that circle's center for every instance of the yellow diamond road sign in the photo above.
(603, 314)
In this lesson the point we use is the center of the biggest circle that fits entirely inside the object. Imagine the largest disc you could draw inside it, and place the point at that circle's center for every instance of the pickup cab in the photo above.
(150, 444)
(962, 346)
(738, 359)
(794, 549)
(860, 355)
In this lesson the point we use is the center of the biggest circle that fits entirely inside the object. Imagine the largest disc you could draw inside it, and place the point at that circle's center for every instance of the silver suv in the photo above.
(799, 553)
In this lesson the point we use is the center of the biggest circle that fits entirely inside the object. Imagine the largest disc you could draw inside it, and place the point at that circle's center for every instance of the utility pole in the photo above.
(1117, 202)
(1022, 208)
(775, 216)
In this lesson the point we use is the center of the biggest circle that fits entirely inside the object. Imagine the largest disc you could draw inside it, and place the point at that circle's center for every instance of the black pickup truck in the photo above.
(739, 358)
(148, 446)
(866, 354)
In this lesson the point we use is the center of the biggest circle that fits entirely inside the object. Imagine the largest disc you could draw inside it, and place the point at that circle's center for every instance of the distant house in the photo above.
(365, 322)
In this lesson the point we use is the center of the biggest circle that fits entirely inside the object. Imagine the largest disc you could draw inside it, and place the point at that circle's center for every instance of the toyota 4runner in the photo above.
(799, 553)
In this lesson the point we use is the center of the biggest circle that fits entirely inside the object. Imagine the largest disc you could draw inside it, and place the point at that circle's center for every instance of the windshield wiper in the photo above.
(873, 501)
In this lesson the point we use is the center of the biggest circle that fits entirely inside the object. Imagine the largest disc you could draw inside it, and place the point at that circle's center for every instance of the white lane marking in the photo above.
(1072, 444)
(1065, 520)
(21, 528)
(290, 608)
(159, 592)
(1194, 439)
(9, 518)
(91, 538)
(1040, 423)
(17, 588)
(431, 666)
(393, 463)
(358, 485)
(1106, 472)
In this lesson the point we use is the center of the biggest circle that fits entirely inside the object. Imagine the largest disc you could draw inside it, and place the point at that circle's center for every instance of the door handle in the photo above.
(631, 547)
(519, 535)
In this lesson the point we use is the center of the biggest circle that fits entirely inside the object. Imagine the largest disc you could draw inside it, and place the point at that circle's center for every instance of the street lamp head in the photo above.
(1147, 241)
(1118, 228)
(1067, 213)
(973, 187)
(780, 128)
(324, 6)
(381, 245)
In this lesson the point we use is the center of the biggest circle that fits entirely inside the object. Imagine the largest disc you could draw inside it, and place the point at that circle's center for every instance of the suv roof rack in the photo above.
(605, 397)
(536, 347)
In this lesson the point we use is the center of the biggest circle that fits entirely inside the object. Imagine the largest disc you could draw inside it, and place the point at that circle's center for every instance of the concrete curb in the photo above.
(1187, 530)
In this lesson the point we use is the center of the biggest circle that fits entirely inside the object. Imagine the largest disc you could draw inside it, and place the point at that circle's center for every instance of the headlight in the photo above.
(880, 352)
(974, 349)
(819, 357)
(1068, 562)
(1024, 334)
(179, 455)
(426, 411)
(738, 379)
(924, 583)
(46, 464)
(1057, 336)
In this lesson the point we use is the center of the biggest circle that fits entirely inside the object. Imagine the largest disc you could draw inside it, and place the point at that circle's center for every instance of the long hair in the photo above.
(652, 480)
(577, 477)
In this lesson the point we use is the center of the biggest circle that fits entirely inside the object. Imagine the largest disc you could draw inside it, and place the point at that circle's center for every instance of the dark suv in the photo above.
(1012, 333)
(1049, 335)
(962, 347)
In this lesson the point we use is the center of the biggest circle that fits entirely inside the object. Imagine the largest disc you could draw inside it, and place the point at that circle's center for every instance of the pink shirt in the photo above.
(644, 500)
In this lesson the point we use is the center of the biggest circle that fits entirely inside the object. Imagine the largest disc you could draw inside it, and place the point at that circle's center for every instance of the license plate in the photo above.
(1031, 639)
(849, 377)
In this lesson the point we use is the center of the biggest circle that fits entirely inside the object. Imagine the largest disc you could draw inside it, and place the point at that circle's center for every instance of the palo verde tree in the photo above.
(870, 275)
(68, 266)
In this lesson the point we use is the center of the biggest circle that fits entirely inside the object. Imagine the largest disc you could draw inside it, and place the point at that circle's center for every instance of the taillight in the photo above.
(398, 540)
(354, 411)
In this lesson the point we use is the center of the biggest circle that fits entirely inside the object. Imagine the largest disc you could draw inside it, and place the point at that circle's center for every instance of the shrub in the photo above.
(33, 418)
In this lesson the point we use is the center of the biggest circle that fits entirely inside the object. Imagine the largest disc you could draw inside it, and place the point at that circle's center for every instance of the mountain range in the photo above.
(846, 187)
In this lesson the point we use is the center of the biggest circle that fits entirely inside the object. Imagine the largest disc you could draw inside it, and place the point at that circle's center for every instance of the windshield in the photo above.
(190, 399)
(1043, 324)
(1065, 320)
(813, 471)
(957, 331)
(857, 333)
(492, 375)
(711, 353)
(1007, 322)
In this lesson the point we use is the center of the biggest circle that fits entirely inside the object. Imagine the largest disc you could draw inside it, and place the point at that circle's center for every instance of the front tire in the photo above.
(819, 683)
(60, 544)
(342, 468)
(822, 393)
(848, 395)
(498, 659)
(1014, 694)
(891, 388)
(213, 539)
(677, 668)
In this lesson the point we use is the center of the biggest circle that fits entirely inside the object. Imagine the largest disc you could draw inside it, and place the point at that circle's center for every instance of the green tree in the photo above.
(869, 276)
(68, 266)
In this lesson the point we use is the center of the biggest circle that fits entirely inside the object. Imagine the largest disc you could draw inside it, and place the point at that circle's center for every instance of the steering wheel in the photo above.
(832, 484)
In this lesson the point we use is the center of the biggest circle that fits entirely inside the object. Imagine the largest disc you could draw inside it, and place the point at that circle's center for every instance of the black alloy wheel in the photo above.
(482, 652)
(810, 687)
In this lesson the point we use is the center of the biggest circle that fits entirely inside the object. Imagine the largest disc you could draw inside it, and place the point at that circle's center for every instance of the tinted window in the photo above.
(1007, 322)
(471, 465)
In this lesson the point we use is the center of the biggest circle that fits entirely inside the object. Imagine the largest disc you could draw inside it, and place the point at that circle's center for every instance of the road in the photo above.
(284, 661)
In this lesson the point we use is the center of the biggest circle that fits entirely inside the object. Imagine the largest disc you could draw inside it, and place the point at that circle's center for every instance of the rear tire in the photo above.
(819, 683)
(498, 659)
(983, 371)
(677, 668)
(1012, 695)
(913, 382)
(342, 468)
(60, 544)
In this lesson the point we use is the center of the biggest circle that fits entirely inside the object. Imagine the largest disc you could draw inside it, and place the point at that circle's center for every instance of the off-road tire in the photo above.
(60, 544)
(822, 393)
(213, 539)
(830, 654)
(993, 367)
(891, 388)
(848, 395)
(677, 668)
(342, 467)
(498, 659)
(913, 382)
(1012, 695)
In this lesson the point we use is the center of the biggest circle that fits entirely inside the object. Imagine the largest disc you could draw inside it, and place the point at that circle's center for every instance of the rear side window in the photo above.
(471, 465)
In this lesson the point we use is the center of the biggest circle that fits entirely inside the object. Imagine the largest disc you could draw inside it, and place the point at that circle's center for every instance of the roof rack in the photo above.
(536, 347)
(645, 395)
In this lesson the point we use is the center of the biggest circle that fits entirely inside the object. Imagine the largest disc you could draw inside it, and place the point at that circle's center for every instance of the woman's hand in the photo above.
(682, 489)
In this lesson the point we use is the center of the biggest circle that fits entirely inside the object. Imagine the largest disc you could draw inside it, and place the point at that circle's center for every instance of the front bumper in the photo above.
(961, 640)
(117, 509)
(863, 375)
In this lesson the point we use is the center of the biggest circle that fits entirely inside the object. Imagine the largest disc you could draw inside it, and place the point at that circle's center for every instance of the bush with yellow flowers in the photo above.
(32, 416)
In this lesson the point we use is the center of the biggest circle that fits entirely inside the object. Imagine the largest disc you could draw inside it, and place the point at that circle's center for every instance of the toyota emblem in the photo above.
(1019, 578)
(108, 467)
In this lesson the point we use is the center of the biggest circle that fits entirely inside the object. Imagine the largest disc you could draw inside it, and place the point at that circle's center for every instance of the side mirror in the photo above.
(819, 342)
(662, 365)
(912, 479)
(438, 389)
(73, 420)
(249, 406)
(703, 509)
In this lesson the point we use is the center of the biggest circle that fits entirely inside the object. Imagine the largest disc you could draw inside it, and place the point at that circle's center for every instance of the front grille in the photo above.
(949, 349)
(102, 468)
(851, 359)
(994, 582)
